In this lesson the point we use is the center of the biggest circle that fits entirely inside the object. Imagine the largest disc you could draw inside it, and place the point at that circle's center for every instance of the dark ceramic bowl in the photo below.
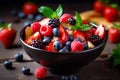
(62, 63)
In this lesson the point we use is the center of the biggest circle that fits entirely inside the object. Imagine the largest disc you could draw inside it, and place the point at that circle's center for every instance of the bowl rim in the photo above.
(79, 52)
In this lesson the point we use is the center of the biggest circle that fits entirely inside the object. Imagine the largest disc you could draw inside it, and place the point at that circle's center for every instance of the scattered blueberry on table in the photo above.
(8, 64)
(18, 57)
(26, 70)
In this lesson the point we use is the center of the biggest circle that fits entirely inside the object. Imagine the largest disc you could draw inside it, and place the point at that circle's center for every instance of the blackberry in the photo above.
(37, 43)
(95, 39)
(54, 22)
(71, 21)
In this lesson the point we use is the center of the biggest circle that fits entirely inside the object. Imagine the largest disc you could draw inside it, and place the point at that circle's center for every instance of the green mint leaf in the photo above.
(46, 11)
(78, 19)
(104, 1)
(85, 27)
(116, 26)
(116, 55)
(59, 11)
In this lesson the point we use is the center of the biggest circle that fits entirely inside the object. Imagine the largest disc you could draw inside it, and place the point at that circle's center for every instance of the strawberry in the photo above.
(111, 13)
(33, 37)
(29, 8)
(63, 34)
(114, 34)
(88, 33)
(100, 31)
(79, 34)
(7, 35)
(98, 6)
(76, 46)
(64, 18)
(50, 47)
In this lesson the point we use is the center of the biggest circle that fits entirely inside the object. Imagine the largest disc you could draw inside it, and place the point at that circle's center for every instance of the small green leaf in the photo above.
(117, 26)
(46, 11)
(59, 11)
(85, 27)
(116, 55)
(78, 19)
(9, 26)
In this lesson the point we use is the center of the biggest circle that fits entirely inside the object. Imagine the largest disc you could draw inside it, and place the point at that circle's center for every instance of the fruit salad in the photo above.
(61, 32)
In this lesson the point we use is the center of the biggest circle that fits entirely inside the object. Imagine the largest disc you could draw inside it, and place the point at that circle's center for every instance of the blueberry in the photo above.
(57, 45)
(64, 78)
(27, 23)
(8, 64)
(73, 77)
(70, 38)
(30, 16)
(18, 57)
(85, 45)
(68, 44)
(38, 17)
(46, 40)
(64, 49)
(14, 12)
(21, 15)
(25, 70)
(56, 32)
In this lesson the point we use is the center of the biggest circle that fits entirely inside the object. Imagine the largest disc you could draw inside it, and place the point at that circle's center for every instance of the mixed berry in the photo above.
(63, 33)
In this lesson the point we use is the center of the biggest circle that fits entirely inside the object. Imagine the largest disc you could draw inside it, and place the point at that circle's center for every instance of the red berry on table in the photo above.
(46, 30)
(76, 46)
(40, 72)
(65, 17)
(114, 35)
(98, 6)
(7, 35)
(111, 14)
(35, 26)
(29, 8)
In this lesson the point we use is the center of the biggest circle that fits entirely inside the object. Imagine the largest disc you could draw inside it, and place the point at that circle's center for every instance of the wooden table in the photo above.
(97, 70)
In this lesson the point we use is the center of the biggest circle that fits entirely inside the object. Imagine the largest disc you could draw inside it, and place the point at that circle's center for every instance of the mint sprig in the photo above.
(116, 56)
(50, 13)
(117, 26)
(79, 25)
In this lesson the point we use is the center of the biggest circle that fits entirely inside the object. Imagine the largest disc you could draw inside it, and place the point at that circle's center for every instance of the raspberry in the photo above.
(40, 72)
(71, 21)
(46, 30)
(54, 22)
(76, 46)
(37, 43)
(65, 17)
(95, 39)
(35, 26)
